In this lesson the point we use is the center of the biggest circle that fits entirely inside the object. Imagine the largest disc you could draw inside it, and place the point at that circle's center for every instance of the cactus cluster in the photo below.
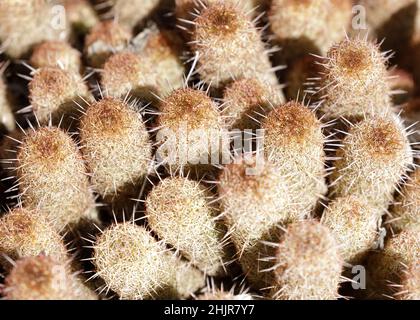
(209, 149)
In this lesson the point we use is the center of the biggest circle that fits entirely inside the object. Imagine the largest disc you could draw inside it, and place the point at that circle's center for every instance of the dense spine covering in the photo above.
(386, 267)
(354, 81)
(52, 178)
(116, 147)
(104, 39)
(136, 266)
(150, 68)
(354, 224)
(253, 205)
(303, 27)
(294, 142)
(308, 265)
(406, 209)
(182, 214)
(229, 47)
(57, 95)
(25, 233)
(247, 101)
(373, 159)
(191, 133)
(44, 277)
(20, 28)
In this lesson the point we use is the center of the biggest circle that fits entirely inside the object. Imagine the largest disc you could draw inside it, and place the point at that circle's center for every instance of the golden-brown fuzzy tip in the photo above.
(192, 106)
(291, 122)
(108, 116)
(220, 19)
(354, 57)
(50, 83)
(383, 139)
(49, 146)
(108, 32)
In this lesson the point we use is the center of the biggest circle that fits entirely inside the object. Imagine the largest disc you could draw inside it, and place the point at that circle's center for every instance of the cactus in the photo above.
(354, 81)
(150, 68)
(52, 178)
(294, 141)
(303, 27)
(191, 132)
(354, 224)
(25, 233)
(375, 156)
(253, 204)
(116, 146)
(247, 101)
(81, 15)
(386, 267)
(406, 210)
(21, 29)
(229, 47)
(136, 266)
(56, 96)
(307, 264)
(180, 211)
(44, 278)
(7, 118)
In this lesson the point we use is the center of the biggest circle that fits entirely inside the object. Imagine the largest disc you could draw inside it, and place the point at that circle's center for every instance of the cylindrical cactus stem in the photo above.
(81, 15)
(25, 233)
(24, 23)
(255, 198)
(295, 144)
(374, 157)
(52, 177)
(247, 101)
(191, 135)
(130, 13)
(406, 209)
(303, 27)
(136, 266)
(151, 68)
(386, 267)
(307, 264)
(7, 118)
(57, 95)
(354, 81)
(229, 47)
(44, 277)
(56, 54)
(182, 214)
(354, 224)
(116, 147)
(103, 40)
